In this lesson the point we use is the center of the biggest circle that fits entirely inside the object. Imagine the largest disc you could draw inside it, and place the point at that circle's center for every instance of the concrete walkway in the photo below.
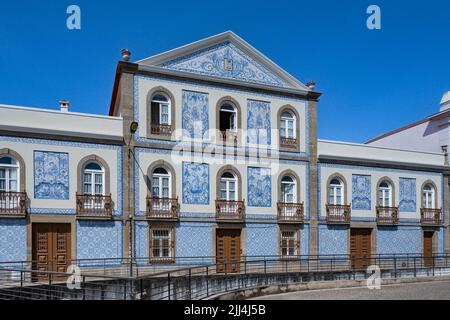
(436, 290)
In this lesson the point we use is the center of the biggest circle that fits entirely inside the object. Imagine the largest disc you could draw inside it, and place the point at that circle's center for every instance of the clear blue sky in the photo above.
(372, 81)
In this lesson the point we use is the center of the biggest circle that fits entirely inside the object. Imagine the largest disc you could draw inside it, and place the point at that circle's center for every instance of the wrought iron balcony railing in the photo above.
(337, 213)
(161, 129)
(288, 142)
(290, 212)
(94, 206)
(162, 208)
(387, 215)
(230, 210)
(430, 216)
(13, 203)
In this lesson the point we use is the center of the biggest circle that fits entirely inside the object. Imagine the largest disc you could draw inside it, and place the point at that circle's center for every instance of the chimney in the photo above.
(445, 101)
(64, 105)
(126, 54)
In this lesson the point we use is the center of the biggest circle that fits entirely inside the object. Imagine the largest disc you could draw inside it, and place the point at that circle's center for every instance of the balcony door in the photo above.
(228, 250)
(93, 185)
(228, 184)
(51, 247)
(9, 171)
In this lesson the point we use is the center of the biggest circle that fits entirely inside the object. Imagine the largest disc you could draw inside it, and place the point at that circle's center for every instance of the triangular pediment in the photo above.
(225, 56)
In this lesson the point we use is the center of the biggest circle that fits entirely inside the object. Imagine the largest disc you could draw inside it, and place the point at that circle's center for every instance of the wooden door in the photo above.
(51, 247)
(228, 250)
(360, 248)
(428, 248)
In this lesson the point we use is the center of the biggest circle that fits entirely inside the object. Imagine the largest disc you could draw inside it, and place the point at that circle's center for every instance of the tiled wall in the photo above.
(99, 239)
(262, 239)
(194, 239)
(399, 240)
(333, 239)
(13, 240)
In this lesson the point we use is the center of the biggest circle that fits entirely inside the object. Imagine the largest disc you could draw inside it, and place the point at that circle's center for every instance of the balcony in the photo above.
(288, 142)
(229, 136)
(13, 204)
(161, 129)
(290, 212)
(387, 215)
(337, 213)
(94, 206)
(166, 209)
(230, 210)
(430, 216)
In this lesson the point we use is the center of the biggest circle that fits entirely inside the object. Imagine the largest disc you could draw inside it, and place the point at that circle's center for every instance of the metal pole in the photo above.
(207, 281)
(168, 284)
(84, 287)
(415, 274)
(190, 285)
(395, 266)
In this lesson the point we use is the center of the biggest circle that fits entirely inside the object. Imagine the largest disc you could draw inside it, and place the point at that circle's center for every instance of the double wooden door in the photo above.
(428, 248)
(51, 247)
(360, 248)
(228, 250)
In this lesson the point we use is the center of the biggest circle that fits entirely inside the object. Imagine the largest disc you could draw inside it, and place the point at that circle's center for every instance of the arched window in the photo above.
(93, 179)
(288, 189)
(228, 187)
(9, 173)
(161, 183)
(336, 192)
(287, 125)
(385, 194)
(160, 109)
(228, 117)
(428, 197)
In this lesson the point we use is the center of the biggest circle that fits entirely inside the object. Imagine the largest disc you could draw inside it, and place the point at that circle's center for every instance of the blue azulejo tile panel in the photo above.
(259, 187)
(262, 239)
(304, 239)
(258, 122)
(361, 192)
(225, 60)
(407, 192)
(333, 240)
(399, 240)
(195, 183)
(141, 246)
(194, 239)
(195, 108)
(51, 175)
(98, 240)
(13, 240)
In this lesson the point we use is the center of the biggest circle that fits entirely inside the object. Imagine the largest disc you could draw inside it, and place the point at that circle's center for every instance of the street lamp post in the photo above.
(133, 129)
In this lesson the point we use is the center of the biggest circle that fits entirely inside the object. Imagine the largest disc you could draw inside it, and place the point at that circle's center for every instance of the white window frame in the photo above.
(92, 173)
(8, 168)
(295, 248)
(227, 190)
(294, 189)
(429, 195)
(383, 192)
(160, 177)
(170, 238)
(286, 121)
(234, 112)
(160, 107)
(332, 190)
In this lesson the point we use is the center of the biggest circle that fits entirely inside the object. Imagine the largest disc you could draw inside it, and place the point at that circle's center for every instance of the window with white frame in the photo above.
(287, 125)
(93, 179)
(9, 173)
(385, 194)
(289, 243)
(228, 187)
(162, 243)
(288, 189)
(161, 183)
(336, 192)
(160, 109)
(428, 197)
(228, 117)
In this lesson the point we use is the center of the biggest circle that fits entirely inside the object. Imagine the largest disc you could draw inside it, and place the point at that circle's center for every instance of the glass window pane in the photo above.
(13, 174)
(232, 195)
(2, 185)
(155, 191)
(87, 177)
(87, 189)
(223, 195)
(98, 189)
(98, 178)
(13, 185)
(165, 192)
(2, 173)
